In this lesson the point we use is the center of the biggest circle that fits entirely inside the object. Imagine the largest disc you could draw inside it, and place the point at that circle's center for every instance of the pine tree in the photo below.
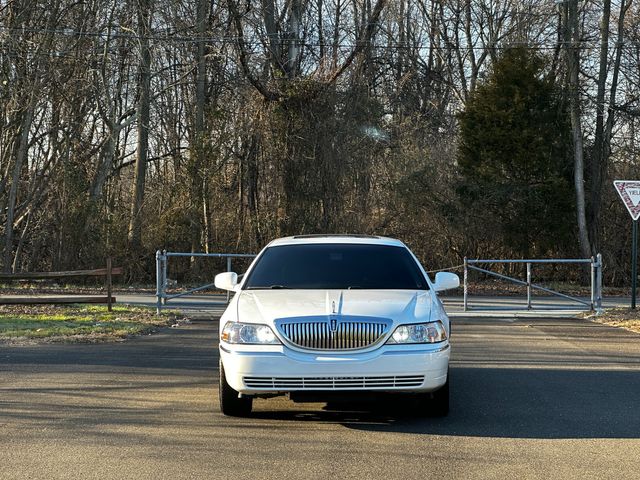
(515, 154)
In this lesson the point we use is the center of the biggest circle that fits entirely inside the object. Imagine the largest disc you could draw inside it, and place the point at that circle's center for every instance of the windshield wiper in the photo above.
(270, 287)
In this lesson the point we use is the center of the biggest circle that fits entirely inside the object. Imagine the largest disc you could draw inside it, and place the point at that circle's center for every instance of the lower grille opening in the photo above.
(333, 383)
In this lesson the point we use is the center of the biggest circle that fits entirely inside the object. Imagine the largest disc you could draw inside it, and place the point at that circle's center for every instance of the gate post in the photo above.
(528, 285)
(158, 282)
(109, 284)
(594, 266)
(599, 282)
(164, 277)
(464, 302)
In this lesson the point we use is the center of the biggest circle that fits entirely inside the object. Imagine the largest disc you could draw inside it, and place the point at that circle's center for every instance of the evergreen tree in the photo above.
(515, 155)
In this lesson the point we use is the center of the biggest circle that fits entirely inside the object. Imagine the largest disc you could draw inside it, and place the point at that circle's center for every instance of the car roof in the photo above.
(336, 238)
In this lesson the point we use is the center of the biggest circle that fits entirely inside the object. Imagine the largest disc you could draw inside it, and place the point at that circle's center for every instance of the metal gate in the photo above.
(594, 303)
(163, 297)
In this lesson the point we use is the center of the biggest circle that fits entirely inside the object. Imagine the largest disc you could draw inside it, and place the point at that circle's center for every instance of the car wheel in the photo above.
(439, 406)
(230, 404)
(433, 404)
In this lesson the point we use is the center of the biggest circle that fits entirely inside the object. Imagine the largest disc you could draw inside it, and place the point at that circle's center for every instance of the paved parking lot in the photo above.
(531, 398)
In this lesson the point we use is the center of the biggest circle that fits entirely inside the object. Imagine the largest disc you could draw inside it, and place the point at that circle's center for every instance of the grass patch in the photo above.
(79, 323)
(622, 317)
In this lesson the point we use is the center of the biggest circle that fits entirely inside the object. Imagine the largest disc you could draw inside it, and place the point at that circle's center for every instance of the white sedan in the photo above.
(317, 315)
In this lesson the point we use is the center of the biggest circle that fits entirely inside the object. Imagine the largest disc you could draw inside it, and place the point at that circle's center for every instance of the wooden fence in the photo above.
(28, 300)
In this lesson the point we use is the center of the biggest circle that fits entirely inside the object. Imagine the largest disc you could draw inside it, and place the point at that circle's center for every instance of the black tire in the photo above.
(433, 404)
(230, 404)
(440, 401)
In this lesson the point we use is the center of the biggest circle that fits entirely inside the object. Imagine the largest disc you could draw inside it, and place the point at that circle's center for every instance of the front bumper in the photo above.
(390, 368)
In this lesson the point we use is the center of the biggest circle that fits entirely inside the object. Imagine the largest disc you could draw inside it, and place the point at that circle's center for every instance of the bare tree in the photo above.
(608, 77)
(143, 117)
(572, 51)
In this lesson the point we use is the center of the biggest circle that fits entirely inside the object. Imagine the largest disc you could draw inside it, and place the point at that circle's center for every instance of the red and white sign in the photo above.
(629, 191)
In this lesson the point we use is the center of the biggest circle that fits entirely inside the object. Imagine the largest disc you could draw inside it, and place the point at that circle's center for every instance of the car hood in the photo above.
(399, 306)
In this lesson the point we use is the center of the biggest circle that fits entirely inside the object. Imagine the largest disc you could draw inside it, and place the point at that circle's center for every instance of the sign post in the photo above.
(634, 263)
(629, 191)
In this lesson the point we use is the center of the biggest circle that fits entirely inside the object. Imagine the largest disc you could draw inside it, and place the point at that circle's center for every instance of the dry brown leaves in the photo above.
(622, 317)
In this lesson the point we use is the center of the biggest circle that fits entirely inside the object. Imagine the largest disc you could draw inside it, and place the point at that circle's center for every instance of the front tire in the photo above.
(439, 406)
(433, 404)
(230, 404)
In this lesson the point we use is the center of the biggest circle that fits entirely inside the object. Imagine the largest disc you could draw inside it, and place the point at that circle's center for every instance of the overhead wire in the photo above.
(222, 39)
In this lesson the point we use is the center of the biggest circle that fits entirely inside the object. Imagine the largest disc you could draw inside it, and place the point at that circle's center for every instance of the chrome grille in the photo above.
(333, 383)
(345, 335)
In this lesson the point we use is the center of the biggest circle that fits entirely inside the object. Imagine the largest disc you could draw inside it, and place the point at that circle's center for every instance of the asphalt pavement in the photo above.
(538, 398)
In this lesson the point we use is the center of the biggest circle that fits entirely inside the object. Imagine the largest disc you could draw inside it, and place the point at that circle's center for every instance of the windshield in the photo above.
(336, 266)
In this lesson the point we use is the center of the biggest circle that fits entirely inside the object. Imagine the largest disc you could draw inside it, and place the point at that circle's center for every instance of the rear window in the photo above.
(336, 266)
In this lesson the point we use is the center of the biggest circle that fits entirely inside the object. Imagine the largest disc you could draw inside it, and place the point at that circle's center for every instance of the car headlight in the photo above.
(248, 333)
(432, 332)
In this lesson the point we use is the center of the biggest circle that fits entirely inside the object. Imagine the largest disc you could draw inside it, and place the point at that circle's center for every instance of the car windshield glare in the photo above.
(336, 266)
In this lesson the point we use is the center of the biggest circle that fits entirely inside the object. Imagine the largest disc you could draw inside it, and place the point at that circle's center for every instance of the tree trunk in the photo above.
(598, 157)
(271, 27)
(198, 213)
(105, 163)
(144, 27)
(572, 50)
(201, 67)
(21, 155)
(293, 54)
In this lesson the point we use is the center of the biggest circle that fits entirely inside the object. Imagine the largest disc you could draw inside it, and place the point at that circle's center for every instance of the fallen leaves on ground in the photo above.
(622, 317)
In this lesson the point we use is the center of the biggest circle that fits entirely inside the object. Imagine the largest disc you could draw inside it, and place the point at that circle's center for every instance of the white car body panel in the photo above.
(383, 367)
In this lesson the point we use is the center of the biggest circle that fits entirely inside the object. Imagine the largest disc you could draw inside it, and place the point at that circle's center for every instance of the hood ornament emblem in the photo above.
(333, 323)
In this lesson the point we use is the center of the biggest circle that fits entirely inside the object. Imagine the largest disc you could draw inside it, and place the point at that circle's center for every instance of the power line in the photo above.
(225, 39)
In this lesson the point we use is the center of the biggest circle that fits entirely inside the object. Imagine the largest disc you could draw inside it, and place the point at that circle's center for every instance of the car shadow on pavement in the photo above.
(506, 403)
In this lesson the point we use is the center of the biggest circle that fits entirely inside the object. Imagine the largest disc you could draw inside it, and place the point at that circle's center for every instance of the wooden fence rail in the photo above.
(100, 272)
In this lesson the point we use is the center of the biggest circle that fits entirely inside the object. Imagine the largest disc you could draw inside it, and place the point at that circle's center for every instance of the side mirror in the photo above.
(226, 281)
(446, 281)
